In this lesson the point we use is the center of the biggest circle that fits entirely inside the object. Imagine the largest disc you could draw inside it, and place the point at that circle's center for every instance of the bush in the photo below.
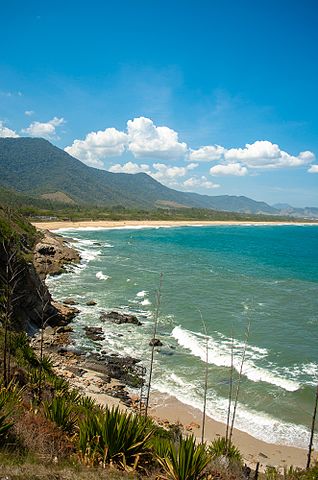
(183, 460)
(112, 436)
(222, 448)
(60, 411)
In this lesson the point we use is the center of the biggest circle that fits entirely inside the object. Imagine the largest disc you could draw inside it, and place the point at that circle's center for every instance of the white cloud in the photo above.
(147, 140)
(202, 182)
(231, 169)
(209, 153)
(264, 154)
(143, 139)
(130, 167)
(99, 145)
(166, 174)
(313, 169)
(7, 132)
(29, 113)
(44, 129)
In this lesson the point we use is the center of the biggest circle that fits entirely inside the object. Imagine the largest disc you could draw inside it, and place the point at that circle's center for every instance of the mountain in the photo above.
(36, 168)
(306, 212)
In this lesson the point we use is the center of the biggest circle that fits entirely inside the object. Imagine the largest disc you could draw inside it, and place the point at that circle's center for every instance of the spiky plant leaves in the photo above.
(113, 436)
(10, 396)
(4, 424)
(60, 411)
(221, 447)
(185, 460)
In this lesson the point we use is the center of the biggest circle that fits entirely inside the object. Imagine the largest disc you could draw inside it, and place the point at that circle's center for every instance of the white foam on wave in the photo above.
(220, 355)
(145, 302)
(141, 294)
(259, 425)
(307, 373)
(101, 276)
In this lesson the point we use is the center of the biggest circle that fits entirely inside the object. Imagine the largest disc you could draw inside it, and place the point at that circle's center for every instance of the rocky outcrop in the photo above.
(119, 318)
(94, 333)
(52, 254)
(155, 342)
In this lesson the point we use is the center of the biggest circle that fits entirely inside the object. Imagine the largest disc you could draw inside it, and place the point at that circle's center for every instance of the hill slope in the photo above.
(35, 167)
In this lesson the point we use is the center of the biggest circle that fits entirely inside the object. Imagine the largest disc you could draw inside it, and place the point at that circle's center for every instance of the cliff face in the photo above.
(25, 259)
(52, 253)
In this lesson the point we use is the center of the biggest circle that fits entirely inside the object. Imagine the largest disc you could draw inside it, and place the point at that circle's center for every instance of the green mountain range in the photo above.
(41, 172)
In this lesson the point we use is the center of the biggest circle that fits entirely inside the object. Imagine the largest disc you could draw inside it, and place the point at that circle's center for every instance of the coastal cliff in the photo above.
(26, 257)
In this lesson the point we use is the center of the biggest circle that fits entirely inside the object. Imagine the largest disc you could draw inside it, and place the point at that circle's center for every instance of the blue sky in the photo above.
(217, 97)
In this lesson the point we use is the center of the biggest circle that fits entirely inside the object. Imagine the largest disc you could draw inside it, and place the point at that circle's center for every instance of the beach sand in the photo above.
(167, 409)
(55, 225)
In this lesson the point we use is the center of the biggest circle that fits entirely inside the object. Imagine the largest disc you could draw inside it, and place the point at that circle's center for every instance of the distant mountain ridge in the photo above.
(35, 167)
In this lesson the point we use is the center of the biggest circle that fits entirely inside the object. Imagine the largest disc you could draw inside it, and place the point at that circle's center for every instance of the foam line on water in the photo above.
(220, 355)
(259, 425)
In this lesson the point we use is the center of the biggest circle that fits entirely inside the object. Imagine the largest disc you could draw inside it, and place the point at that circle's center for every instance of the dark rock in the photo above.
(69, 301)
(119, 318)
(91, 303)
(94, 333)
(155, 342)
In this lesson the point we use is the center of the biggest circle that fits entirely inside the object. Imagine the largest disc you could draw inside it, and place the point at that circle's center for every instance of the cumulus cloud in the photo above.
(29, 113)
(148, 140)
(99, 145)
(166, 174)
(202, 182)
(130, 167)
(7, 132)
(231, 169)
(313, 169)
(265, 154)
(209, 153)
(143, 139)
(44, 129)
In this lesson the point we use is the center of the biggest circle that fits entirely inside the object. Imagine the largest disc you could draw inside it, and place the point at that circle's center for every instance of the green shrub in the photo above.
(112, 436)
(222, 448)
(61, 412)
(183, 460)
(10, 396)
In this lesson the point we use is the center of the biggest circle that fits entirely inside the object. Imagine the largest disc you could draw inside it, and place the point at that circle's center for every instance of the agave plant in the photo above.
(113, 436)
(4, 425)
(9, 398)
(60, 411)
(221, 447)
(183, 460)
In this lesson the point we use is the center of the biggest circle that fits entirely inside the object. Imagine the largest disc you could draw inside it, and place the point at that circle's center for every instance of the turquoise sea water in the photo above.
(267, 275)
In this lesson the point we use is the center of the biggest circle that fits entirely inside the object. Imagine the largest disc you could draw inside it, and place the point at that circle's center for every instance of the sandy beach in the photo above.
(166, 409)
(55, 225)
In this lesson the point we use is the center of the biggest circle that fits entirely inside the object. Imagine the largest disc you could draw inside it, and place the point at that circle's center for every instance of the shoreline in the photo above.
(167, 409)
(89, 376)
(56, 225)
(252, 449)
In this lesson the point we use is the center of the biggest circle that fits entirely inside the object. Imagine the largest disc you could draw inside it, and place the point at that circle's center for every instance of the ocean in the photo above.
(231, 276)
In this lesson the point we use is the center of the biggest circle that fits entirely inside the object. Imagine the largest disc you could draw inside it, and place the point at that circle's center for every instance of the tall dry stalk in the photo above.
(247, 334)
(155, 328)
(206, 375)
(230, 392)
(312, 430)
